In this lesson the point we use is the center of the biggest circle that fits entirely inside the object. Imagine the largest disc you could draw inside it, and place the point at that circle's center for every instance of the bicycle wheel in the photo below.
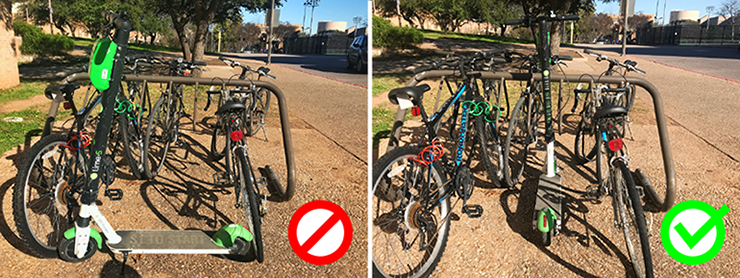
(585, 142)
(403, 246)
(249, 202)
(158, 138)
(516, 146)
(49, 172)
(218, 141)
(132, 143)
(261, 102)
(632, 220)
(490, 150)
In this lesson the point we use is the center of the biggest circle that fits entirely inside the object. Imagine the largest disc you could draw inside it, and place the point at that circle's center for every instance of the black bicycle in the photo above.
(162, 129)
(413, 184)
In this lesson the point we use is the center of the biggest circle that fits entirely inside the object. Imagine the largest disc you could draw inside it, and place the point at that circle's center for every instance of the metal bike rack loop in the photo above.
(665, 145)
(282, 107)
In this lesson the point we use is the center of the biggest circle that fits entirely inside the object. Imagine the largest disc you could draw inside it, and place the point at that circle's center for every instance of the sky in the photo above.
(327, 10)
(648, 7)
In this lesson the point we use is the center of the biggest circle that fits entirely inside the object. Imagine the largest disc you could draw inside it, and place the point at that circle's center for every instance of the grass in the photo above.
(471, 37)
(383, 117)
(15, 134)
(383, 82)
(24, 90)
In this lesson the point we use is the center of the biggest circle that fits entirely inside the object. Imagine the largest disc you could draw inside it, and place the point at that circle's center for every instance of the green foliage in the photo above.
(35, 41)
(15, 134)
(470, 37)
(389, 36)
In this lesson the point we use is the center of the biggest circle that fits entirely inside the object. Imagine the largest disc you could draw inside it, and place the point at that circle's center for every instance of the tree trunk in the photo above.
(152, 37)
(503, 29)
(179, 25)
(556, 29)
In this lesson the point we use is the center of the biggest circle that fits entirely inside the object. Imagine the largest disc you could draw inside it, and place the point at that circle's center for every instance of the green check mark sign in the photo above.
(693, 232)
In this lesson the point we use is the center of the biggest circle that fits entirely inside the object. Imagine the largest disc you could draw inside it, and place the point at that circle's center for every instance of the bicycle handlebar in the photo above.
(262, 71)
(601, 57)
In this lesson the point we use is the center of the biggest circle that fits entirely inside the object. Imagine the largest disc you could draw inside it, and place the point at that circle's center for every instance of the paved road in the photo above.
(719, 61)
(328, 66)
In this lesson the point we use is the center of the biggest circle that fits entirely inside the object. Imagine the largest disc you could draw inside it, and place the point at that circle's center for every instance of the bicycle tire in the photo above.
(258, 112)
(41, 226)
(250, 204)
(218, 139)
(490, 150)
(585, 141)
(517, 139)
(157, 131)
(632, 220)
(388, 225)
(132, 141)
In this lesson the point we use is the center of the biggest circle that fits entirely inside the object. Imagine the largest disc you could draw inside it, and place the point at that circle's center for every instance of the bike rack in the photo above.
(282, 107)
(665, 145)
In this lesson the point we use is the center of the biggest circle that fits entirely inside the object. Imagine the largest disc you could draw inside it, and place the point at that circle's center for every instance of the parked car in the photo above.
(357, 54)
(602, 40)
(738, 45)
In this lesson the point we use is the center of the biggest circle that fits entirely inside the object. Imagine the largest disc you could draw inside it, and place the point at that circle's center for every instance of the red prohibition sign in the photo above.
(320, 232)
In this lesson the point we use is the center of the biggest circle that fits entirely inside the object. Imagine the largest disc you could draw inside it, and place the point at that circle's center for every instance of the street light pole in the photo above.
(269, 39)
(51, 19)
(303, 25)
(314, 4)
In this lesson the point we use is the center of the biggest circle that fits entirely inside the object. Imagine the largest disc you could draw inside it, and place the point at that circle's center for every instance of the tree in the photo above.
(730, 9)
(202, 13)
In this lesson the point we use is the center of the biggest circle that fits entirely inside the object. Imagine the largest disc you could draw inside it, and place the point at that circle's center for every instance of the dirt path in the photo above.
(502, 243)
(185, 197)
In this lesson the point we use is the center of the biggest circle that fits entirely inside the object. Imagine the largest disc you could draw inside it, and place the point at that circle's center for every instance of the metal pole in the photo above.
(303, 24)
(664, 5)
(269, 39)
(624, 30)
(219, 40)
(398, 10)
(51, 19)
(571, 31)
(314, 3)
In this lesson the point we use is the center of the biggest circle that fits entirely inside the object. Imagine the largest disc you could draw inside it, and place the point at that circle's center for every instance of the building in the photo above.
(679, 15)
(331, 26)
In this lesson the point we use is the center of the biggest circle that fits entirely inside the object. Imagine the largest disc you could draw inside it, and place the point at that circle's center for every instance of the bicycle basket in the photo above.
(101, 63)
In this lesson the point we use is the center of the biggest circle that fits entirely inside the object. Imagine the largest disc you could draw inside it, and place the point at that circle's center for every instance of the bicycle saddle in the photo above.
(608, 110)
(631, 63)
(415, 94)
(231, 105)
(51, 90)
(265, 70)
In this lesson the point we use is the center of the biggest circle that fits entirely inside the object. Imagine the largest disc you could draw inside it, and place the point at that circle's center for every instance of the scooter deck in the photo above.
(166, 242)
(549, 194)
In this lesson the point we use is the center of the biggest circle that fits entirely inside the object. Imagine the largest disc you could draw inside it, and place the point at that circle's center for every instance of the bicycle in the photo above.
(524, 124)
(164, 119)
(413, 184)
(259, 100)
(256, 100)
(619, 184)
(585, 140)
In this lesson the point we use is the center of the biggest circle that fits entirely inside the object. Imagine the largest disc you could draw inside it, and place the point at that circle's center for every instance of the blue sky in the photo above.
(327, 10)
(648, 7)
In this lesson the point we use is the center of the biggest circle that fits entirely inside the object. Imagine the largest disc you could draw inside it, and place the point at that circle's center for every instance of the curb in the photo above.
(693, 71)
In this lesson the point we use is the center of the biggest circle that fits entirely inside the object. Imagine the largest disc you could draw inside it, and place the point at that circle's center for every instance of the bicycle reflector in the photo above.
(101, 63)
(67, 105)
(237, 135)
(616, 144)
(416, 111)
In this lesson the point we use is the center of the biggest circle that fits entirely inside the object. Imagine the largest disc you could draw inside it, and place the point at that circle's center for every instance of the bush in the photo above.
(389, 36)
(35, 41)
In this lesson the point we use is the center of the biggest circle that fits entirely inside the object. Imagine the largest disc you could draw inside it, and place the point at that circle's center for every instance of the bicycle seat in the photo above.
(607, 110)
(265, 70)
(631, 63)
(415, 94)
(51, 90)
(231, 105)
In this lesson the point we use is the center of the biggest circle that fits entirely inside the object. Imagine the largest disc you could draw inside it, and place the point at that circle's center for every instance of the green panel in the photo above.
(70, 234)
(225, 236)
(101, 63)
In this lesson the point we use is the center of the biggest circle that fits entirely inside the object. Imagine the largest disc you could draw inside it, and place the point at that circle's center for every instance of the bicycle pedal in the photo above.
(473, 211)
(220, 178)
(114, 194)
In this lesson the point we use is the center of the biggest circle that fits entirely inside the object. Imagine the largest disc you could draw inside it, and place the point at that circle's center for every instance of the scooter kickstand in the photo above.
(123, 265)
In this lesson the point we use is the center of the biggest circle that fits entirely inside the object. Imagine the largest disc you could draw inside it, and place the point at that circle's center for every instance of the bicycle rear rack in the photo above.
(670, 172)
(289, 191)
